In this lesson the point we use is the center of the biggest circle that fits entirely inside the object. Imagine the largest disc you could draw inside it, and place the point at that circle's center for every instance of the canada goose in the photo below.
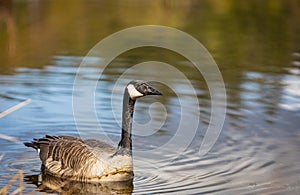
(91, 160)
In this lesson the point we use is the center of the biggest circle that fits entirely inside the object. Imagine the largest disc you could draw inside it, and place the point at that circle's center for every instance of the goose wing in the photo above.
(67, 156)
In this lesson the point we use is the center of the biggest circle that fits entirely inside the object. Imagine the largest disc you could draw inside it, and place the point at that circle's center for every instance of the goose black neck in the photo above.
(127, 118)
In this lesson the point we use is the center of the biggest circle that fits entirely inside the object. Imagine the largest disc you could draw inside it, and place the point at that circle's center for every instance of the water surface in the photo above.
(254, 43)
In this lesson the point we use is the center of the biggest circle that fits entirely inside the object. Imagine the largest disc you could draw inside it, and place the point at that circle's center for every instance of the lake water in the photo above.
(254, 43)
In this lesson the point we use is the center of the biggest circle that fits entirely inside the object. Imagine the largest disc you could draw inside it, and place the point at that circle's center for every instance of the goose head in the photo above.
(137, 89)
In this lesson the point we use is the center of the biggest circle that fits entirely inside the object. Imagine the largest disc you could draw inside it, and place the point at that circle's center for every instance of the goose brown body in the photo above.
(92, 160)
(70, 157)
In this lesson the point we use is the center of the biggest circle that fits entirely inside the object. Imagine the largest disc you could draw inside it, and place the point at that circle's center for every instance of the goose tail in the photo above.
(33, 144)
(41, 145)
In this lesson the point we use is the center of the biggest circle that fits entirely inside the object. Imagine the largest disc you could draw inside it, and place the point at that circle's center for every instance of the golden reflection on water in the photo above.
(238, 33)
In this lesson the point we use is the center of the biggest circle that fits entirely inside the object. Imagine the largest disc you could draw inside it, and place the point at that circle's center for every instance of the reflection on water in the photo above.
(49, 184)
(254, 44)
(260, 136)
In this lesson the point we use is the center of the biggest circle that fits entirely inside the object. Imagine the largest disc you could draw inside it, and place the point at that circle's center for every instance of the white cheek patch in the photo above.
(133, 92)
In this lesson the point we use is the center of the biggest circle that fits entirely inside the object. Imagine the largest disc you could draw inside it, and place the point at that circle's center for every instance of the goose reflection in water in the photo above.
(51, 184)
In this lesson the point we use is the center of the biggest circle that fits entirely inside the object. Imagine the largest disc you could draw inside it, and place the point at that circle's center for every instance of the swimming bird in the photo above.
(92, 160)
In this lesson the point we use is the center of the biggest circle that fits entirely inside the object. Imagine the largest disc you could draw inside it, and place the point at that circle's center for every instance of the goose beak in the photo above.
(152, 91)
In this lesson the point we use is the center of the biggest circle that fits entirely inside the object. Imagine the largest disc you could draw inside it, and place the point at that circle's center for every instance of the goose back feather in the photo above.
(70, 157)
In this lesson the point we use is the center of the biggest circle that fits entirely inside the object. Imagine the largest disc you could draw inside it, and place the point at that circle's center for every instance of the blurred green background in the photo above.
(239, 34)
